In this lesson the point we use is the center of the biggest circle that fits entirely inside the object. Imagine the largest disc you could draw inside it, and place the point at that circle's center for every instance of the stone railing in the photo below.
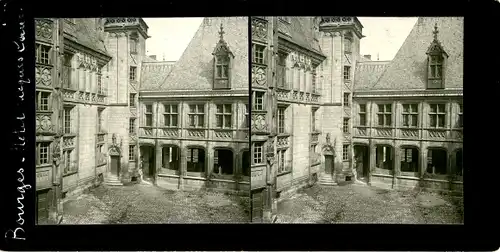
(195, 133)
(82, 96)
(437, 134)
(409, 133)
(361, 131)
(383, 132)
(286, 95)
(146, 131)
(168, 132)
(225, 134)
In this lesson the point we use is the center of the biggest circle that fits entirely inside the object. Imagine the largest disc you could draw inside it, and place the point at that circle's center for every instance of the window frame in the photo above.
(133, 46)
(257, 153)
(133, 73)
(224, 114)
(409, 115)
(347, 73)
(281, 119)
(67, 123)
(170, 114)
(437, 115)
(223, 65)
(131, 100)
(384, 114)
(256, 95)
(148, 114)
(195, 122)
(131, 152)
(131, 125)
(258, 56)
(346, 102)
(345, 125)
(362, 113)
(39, 98)
(39, 153)
(345, 152)
(41, 56)
(460, 115)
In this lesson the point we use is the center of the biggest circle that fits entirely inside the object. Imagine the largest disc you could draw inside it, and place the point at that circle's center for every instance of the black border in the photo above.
(481, 73)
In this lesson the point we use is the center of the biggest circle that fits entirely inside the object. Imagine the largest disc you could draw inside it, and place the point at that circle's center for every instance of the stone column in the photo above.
(182, 165)
(397, 164)
(372, 159)
(158, 158)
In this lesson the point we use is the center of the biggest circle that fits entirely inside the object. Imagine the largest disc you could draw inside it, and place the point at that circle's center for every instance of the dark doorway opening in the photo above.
(196, 161)
(384, 157)
(409, 159)
(148, 162)
(329, 163)
(223, 162)
(170, 159)
(361, 158)
(245, 163)
(436, 161)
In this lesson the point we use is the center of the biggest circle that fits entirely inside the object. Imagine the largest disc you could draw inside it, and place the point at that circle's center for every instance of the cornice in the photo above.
(409, 93)
(193, 94)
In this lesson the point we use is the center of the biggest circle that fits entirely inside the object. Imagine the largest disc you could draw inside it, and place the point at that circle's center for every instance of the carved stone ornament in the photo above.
(56, 152)
(43, 76)
(44, 29)
(259, 29)
(86, 61)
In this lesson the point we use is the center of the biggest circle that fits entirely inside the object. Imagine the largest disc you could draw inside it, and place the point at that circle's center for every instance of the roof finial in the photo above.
(435, 31)
(221, 32)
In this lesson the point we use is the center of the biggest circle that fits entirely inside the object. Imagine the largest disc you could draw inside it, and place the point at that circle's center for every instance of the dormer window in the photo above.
(436, 59)
(223, 58)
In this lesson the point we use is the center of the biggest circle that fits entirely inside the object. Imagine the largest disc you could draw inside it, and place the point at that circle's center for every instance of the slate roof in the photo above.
(301, 31)
(367, 73)
(86, 34)
(194, 70)
(408, 69)
(153, 73)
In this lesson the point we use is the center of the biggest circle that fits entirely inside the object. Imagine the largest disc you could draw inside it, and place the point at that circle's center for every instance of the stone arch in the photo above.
(196, 160)
(437, 160)
(225, 162)
(170, 158)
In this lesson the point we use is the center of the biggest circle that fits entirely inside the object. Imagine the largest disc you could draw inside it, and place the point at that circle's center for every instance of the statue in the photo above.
(114, 139)
(328, 138)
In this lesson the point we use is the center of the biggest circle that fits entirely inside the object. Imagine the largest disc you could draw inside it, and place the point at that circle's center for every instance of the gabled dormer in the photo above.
(436, 63)
(223, 61)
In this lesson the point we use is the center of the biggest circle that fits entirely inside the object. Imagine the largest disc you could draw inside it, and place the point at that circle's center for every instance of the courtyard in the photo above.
(353, 203)
(147, 204)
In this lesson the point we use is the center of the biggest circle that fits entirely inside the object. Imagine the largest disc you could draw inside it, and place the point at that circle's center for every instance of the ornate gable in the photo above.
(436, 59)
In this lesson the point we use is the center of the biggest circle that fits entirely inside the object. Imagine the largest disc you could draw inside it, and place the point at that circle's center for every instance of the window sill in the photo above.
(44, 111)
(69, 173)
(283, 135)
(44, 64)
(69, 135)
(43, 166)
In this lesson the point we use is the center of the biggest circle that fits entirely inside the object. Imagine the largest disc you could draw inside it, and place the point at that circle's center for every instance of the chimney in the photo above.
(153, 56)
(368, 56)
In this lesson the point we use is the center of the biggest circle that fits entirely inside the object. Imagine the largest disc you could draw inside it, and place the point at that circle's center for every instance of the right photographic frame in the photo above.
(357, 119)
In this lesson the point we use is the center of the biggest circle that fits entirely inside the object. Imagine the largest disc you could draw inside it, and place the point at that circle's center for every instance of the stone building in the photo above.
(193, 121)
(87, 70)
(305, 73)
(408, 113)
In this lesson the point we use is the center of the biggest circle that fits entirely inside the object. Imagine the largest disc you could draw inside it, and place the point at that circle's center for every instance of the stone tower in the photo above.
(125, 42)
(339, 40)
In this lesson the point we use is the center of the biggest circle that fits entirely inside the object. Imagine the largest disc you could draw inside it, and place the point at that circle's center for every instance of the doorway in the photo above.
(148, 162)
(115, 165)
(42, 207)
(329, 161)
(361, 161)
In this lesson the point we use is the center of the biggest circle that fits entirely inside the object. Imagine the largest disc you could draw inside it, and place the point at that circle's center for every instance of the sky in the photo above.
(383, 36)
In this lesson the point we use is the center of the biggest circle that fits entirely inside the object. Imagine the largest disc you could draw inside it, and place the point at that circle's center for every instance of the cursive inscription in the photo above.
(19, 143)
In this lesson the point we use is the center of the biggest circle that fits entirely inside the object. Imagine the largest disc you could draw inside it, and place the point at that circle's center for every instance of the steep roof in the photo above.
(86, 34)
(153, 73)
(301, 32)
(194, 70)
(407, 71)
(367, 73)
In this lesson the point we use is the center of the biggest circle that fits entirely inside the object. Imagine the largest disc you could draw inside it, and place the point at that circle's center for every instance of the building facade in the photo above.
(318, 114)
(86, 72)
(409, 111)
(193, 120)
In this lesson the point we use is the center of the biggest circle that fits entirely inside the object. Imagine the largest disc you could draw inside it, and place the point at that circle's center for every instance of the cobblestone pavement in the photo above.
(143, 204)
(355, 203)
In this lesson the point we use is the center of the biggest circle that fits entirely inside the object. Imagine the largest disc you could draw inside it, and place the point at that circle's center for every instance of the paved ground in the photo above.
(354, 203)
(143, 204)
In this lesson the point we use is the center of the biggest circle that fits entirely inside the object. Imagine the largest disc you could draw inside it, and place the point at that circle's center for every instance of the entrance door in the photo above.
(115, 165)
(328, 164)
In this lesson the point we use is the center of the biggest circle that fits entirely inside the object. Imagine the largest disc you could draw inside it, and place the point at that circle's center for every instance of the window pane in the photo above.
(167, 120)
(441, 120)
(174, 120)
(406, 108)
(362, 108)
(388, 108)
(227, 121)
(201, 120)
(149, 120)
(414, 108)
(441, 108)
(432, 120)
(219, 121)
(219, 71)
(191, 120)
(362, 120)
(201, 109)
(192, 108)
(433, 108)
(219, 109)
(439, 74)
(227, 108)
(381, 120)
(405, 120)
(225, 71)
(388, 121)
(414, 120)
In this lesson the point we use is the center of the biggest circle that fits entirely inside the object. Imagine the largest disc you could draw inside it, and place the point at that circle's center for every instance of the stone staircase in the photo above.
(112, 180)
(326, 179)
